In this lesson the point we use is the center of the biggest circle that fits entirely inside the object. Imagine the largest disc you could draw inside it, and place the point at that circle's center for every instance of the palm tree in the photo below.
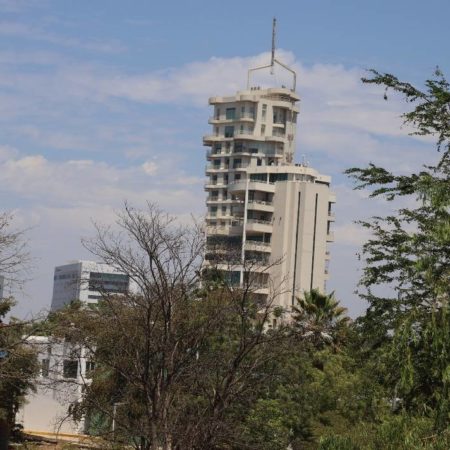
(318, 317)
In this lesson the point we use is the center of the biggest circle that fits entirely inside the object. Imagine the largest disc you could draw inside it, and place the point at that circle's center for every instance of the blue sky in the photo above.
(102, 101)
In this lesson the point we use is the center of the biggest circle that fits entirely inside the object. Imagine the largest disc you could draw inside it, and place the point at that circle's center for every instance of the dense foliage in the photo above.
(409, 251)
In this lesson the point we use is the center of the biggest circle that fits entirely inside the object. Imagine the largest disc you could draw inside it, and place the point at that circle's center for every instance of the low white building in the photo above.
(65, 369)
(60, 382)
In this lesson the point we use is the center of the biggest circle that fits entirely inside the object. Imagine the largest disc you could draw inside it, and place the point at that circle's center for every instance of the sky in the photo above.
(105, 101)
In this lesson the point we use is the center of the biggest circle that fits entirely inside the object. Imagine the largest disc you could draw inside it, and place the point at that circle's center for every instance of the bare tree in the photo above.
(176, 354)
(17, 361)
(14, 255)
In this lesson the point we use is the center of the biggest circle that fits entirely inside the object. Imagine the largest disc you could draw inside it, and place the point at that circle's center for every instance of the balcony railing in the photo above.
(210, 153)
(233, 118)
(260, 221)
(278, 133)
(257, 243)
(260, 202)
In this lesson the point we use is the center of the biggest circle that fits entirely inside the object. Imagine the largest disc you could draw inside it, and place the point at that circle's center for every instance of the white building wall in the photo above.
(299, 238)
(47, 409)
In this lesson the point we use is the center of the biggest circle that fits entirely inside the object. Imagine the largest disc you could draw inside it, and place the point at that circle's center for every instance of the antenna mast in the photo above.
(274, 30)
(273, 60)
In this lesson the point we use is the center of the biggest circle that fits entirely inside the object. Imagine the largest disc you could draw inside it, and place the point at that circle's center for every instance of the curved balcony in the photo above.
(210, 154)
(211, 168)
(260, 205)
(257, 246)
(241, 186)
(259, 226)
(213, 185)
(235, 229)
(211, 138)
(281, 139)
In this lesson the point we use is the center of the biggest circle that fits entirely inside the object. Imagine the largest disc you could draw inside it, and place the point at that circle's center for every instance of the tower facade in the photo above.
(268, 220)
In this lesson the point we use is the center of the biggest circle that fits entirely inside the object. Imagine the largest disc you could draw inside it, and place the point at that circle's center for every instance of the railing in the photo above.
(257, 243)
(261, 181)
(260, 202)
(260, 221)
(278, 133)
(209, 167)
(251, 116)
(241, 151)
(221, 118)
(238, 166)
(210, 153)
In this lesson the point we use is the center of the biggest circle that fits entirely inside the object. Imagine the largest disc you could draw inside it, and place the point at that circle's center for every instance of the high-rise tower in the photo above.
(268, 218)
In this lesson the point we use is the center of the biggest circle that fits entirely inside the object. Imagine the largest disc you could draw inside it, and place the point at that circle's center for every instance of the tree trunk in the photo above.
(5, 432)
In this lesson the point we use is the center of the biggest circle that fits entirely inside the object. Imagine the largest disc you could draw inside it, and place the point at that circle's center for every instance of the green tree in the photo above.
(409, 252)
(18, 367)
(318, 318)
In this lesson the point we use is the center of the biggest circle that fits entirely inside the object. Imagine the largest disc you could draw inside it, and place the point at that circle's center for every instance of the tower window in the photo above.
(230, 113)
(229, 131)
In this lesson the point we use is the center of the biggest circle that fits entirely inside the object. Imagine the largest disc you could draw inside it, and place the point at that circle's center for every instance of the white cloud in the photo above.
(90, 138)
(150, 167)
(7, 152)
(90, 184)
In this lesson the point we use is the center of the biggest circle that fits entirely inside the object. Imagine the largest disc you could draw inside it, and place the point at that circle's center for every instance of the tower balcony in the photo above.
(211, 154)
(257, 246)
(233, 229)
(212, 168)
(241, 186)
(260, 205)
(246, 117)
(211, 139)
(213, 185)
(280, 139)
(259, 226)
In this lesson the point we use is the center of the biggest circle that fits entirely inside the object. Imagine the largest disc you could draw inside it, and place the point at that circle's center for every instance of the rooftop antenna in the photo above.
(274, 30)
(273, 60)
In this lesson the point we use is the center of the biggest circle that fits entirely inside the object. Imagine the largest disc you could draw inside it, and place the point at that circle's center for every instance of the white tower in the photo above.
(268, 219)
